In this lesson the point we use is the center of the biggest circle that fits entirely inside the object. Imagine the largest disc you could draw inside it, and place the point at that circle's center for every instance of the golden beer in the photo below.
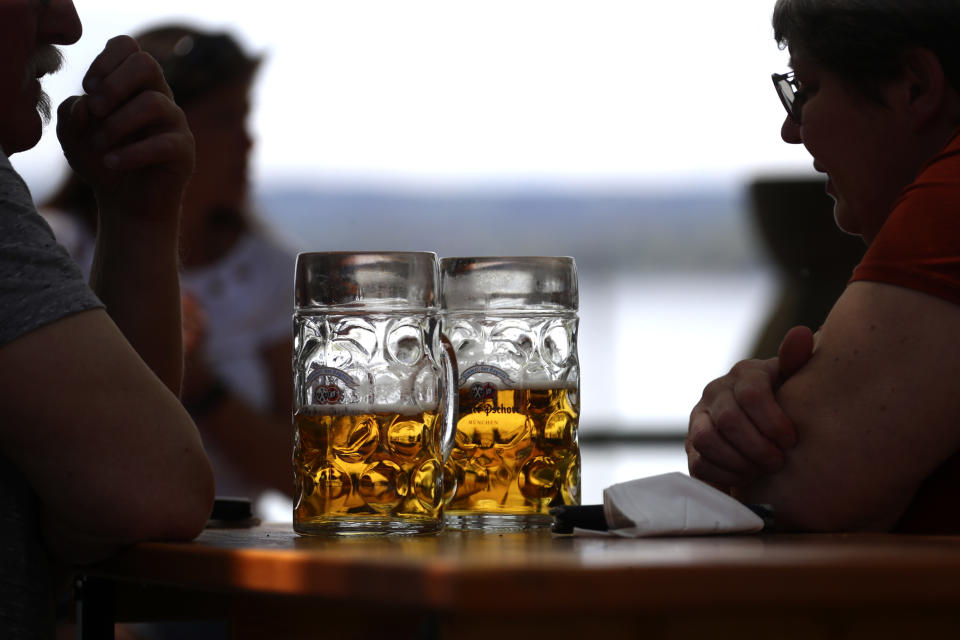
(515, 453)
(358, 468)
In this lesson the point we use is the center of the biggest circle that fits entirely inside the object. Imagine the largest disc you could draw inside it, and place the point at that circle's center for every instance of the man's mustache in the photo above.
(47, 59)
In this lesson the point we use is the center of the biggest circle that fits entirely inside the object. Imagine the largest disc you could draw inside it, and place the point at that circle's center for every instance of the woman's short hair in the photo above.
(862, 41)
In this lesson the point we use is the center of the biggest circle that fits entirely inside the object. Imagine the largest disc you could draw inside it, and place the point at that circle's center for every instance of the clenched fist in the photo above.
(126, 136)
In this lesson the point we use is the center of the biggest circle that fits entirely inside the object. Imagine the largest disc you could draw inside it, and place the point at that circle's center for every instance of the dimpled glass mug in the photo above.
(375, 391)
(513, 324)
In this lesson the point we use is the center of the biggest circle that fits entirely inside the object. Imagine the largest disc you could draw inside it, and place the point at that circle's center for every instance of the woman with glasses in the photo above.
(237, 284)
(857, 427)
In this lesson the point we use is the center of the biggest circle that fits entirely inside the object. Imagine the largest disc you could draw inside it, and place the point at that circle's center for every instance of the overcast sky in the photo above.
(421, 92)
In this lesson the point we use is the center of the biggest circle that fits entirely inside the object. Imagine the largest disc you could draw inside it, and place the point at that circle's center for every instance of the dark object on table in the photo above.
(588, 516)
(232, 512)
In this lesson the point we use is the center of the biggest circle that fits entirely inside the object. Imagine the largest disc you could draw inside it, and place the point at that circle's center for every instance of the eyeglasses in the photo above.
(789, 91)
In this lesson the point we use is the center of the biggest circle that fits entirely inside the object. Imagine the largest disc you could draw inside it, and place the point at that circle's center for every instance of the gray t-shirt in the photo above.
(39, 284)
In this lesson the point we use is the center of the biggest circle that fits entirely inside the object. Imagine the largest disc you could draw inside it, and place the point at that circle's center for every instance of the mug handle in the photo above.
(451, 398)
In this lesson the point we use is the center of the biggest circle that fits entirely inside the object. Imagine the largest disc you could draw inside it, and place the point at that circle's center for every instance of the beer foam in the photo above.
(360, 408)
(528, 385)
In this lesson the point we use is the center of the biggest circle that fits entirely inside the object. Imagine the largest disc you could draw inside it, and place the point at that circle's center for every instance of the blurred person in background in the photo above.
(813, 259)
(96, 451)
(238, 284)
(856, 428)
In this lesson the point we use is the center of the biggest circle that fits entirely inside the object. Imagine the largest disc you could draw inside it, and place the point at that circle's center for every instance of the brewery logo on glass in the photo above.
(324, 393)
(485, 368)
(485, 395)
(482, 391)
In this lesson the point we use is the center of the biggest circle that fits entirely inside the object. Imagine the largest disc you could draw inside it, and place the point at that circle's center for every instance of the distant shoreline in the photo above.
(687, 230)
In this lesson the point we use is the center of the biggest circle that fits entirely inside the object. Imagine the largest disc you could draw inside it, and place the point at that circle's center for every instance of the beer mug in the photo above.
(374, 394)
(513, 325)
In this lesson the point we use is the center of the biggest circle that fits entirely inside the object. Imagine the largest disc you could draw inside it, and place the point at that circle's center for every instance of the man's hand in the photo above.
(737, 431)
(126, 137)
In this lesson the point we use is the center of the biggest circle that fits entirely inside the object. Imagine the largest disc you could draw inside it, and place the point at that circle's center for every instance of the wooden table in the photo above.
(270, 583)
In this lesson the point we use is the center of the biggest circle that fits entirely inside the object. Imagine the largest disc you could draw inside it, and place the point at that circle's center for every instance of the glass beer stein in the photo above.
(375, 394)
(513, 325)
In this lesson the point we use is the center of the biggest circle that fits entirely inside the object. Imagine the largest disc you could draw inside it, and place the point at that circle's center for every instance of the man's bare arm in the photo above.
(109, 450)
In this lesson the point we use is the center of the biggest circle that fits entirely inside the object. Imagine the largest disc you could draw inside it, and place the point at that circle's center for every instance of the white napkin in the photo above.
(672, 504)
